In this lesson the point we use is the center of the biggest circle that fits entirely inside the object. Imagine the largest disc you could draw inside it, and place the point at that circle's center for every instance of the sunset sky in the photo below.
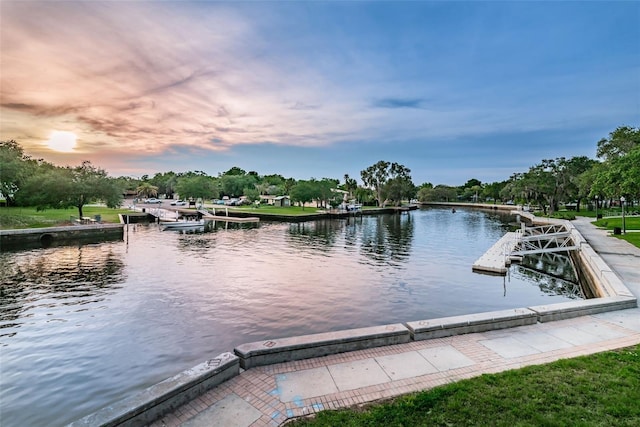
(452, 90)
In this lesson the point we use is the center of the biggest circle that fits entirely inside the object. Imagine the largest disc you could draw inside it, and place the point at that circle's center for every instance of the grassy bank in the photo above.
(597, 390)
(631, 223)
(19, 217)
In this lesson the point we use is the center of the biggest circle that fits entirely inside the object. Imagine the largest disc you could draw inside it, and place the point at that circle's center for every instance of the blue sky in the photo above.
(452, 90)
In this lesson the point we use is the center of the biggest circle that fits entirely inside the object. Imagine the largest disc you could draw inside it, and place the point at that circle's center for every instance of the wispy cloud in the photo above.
(399, 103)
(147, 78)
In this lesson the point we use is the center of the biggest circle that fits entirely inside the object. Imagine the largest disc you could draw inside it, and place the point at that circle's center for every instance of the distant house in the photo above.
(281, 201)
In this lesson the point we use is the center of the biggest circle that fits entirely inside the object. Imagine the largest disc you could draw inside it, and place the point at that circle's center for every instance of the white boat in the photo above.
(182, 225)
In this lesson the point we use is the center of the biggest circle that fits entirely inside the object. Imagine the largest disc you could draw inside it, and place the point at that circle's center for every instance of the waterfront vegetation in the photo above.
(597, 390)
(30, 217)
(549, 185)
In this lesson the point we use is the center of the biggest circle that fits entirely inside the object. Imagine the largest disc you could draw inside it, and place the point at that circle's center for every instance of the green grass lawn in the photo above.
(19, 217)
(633, 238)
(597, 390)
(631, 223)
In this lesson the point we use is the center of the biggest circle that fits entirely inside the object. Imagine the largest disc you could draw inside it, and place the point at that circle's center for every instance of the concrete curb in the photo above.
(470, 323)
(317, 345)
(166, 396)
(567, 310)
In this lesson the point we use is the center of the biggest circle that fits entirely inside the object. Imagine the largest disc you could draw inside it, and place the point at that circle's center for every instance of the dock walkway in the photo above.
(208, 216)
(496, 259)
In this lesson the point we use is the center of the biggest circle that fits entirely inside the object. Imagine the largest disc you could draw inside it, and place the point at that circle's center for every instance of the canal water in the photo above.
(83, 326)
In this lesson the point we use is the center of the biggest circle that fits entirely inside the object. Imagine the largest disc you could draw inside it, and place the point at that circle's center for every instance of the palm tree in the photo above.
(147, 190)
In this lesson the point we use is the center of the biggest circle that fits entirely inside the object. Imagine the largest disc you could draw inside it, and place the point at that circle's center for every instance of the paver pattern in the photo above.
(269, 395)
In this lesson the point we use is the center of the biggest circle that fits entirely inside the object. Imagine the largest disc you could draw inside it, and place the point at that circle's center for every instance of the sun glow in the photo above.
(62, 141)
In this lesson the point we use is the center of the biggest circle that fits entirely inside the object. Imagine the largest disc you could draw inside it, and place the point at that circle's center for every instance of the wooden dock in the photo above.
(208, 216)
(230, 218)
(496, 259)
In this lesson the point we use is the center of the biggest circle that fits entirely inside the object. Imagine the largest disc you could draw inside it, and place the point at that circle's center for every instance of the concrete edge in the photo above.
(605, 280)
(81, 227)
(471, 323)
(568, 310)
(316, 345)
(164, 397)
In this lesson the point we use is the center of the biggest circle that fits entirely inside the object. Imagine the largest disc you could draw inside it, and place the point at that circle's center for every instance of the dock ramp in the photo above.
(528, 240)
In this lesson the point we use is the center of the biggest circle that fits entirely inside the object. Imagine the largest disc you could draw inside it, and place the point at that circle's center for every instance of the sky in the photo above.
(312, 89)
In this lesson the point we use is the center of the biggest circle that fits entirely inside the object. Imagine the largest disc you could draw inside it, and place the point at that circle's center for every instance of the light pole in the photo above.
(596, 207)
(624, 229)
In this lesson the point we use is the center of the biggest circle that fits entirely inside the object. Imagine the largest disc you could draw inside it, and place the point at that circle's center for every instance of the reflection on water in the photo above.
(66, 276)
(553, 272)
(85, 326)
(387, 239)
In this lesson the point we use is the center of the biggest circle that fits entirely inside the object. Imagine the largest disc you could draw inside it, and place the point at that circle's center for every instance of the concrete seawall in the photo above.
(53, 236)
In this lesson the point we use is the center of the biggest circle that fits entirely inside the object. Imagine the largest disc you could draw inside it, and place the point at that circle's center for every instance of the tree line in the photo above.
(616, 172)
(552, 182)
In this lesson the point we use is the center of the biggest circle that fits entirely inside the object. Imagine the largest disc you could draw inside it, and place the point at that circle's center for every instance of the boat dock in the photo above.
(208, 216)
(230, 218)
(496, 259)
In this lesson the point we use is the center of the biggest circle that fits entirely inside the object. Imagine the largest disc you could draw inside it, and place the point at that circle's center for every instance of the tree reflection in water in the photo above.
(50, 277)
(384, 239)
(388, 239)
(553, 273)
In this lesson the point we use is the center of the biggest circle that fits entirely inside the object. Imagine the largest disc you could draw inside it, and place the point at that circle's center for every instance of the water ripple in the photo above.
(83, 326)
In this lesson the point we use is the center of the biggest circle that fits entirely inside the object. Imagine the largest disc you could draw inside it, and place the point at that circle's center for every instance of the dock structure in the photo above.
(513, 246)
(527, 216)
(208, 216)
(496, 259)
(544, 239)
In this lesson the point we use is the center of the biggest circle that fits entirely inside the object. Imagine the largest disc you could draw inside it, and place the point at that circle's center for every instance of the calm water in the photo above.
(81, 327)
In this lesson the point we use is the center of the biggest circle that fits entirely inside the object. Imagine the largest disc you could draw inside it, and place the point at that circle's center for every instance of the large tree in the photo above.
(570, 183)
(196, 186)
(56, 187)
(439, 193)
(550, 182)
(619, 177)
(233, 185)
(303, 192)
(619, 143)
(376, 177)
(15, 169)
(166, 183)
(399, 188)
(323, 191)
(492, 190)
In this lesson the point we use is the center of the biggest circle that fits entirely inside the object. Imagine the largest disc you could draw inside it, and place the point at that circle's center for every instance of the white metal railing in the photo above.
(543, 239)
